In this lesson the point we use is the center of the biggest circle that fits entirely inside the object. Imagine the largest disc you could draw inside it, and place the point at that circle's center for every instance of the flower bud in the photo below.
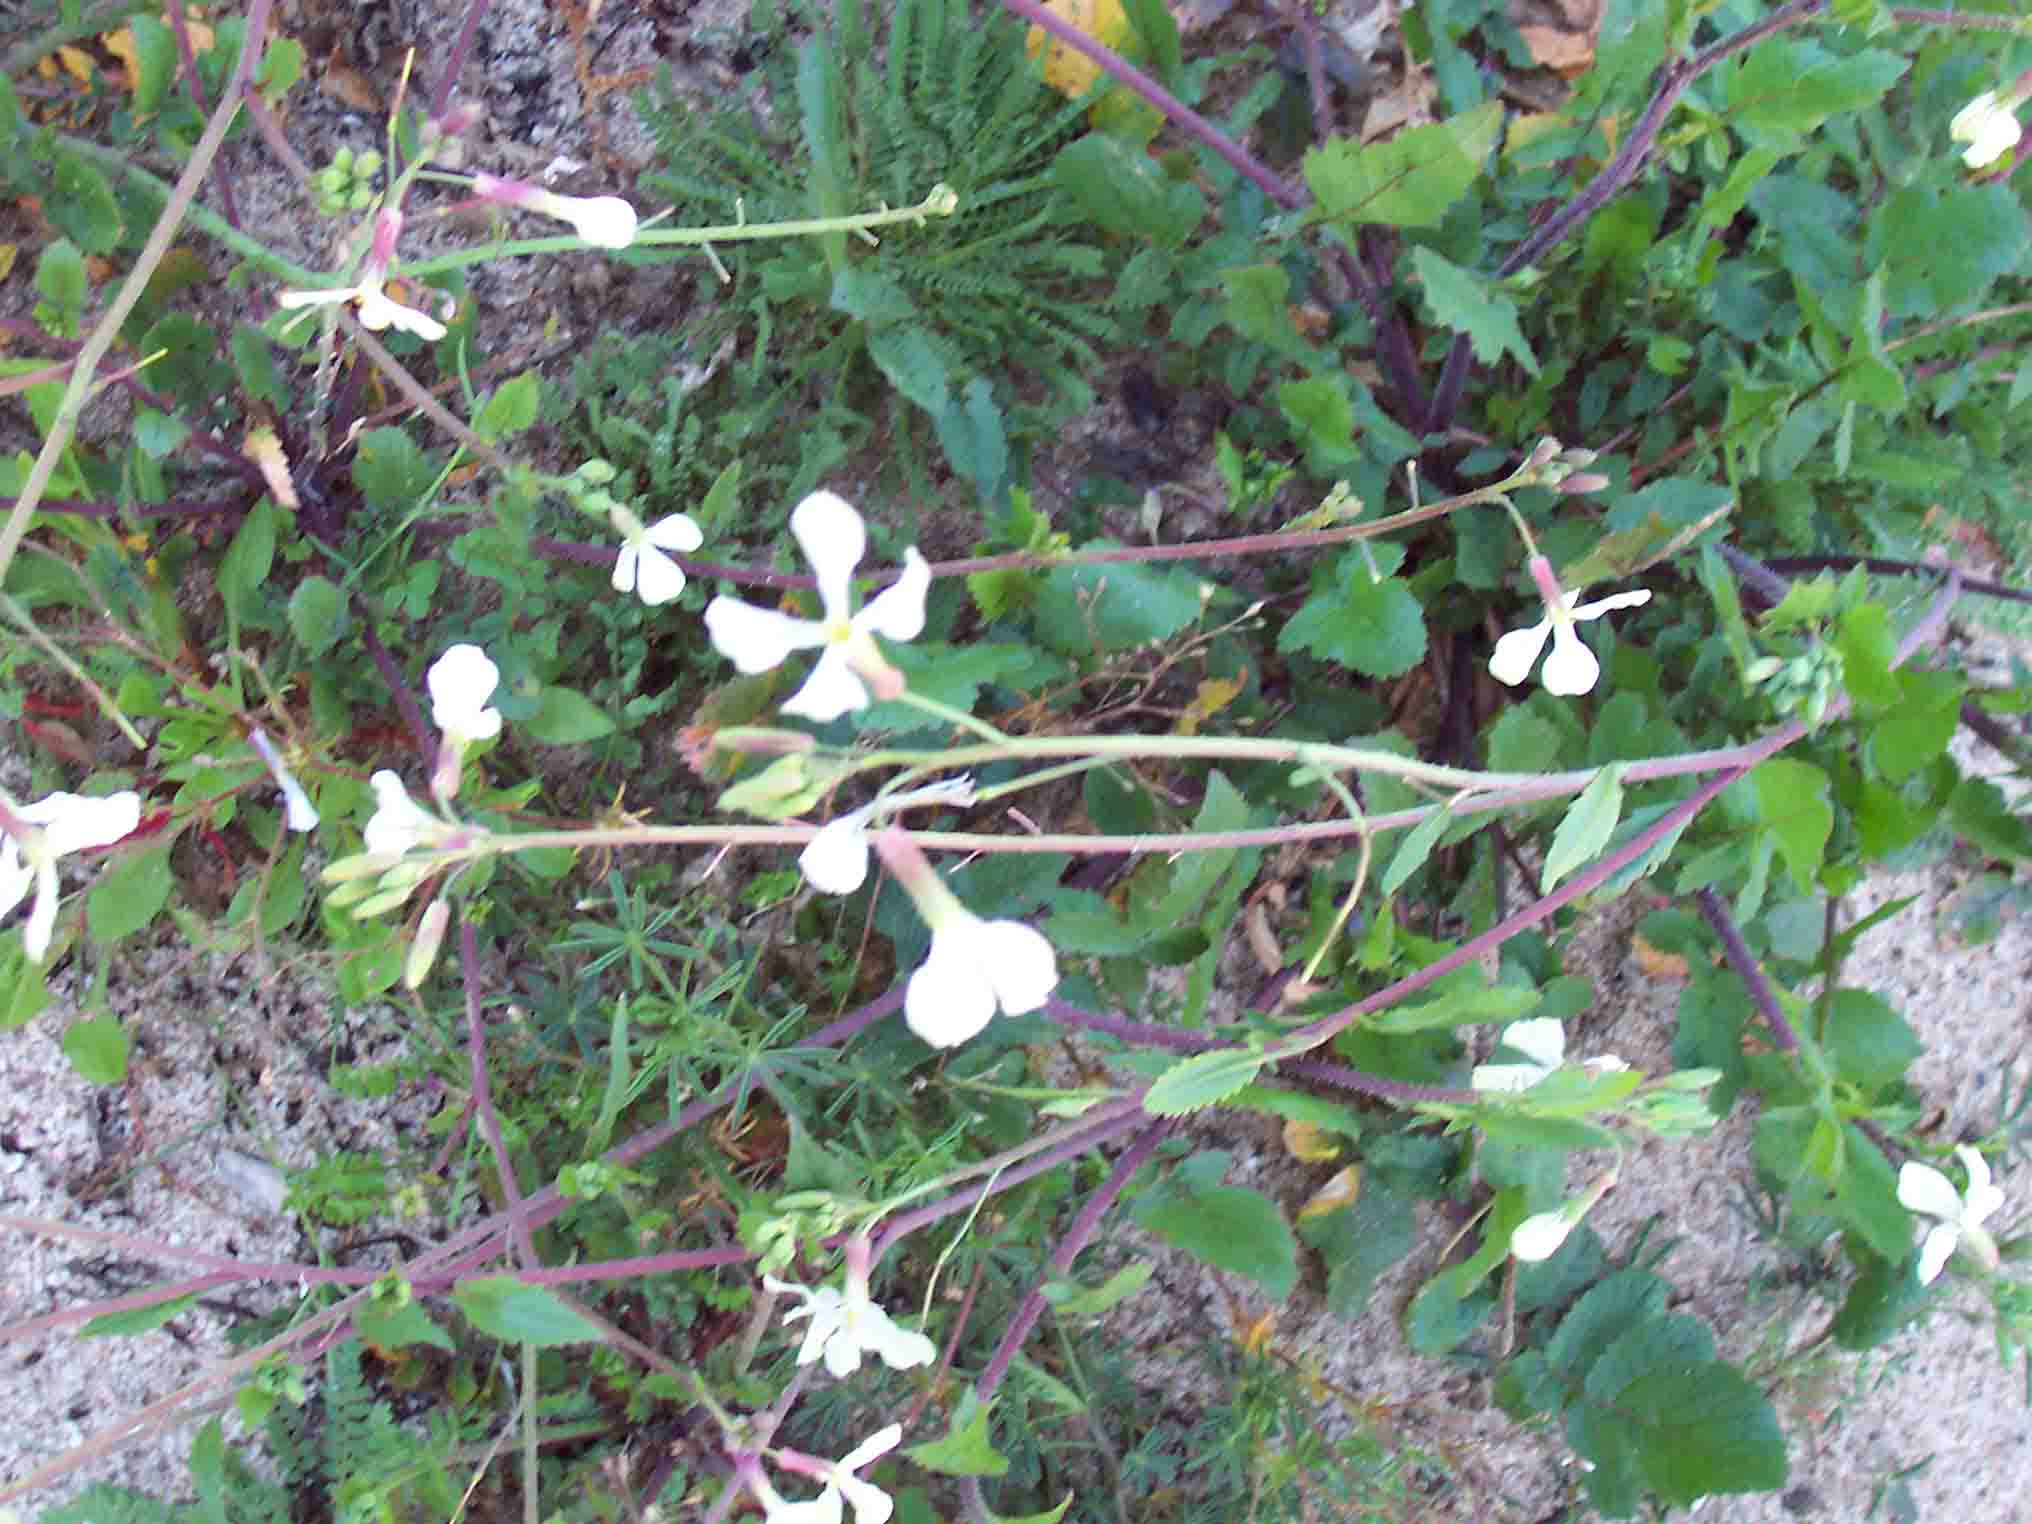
(1583, 482)
(423, 948)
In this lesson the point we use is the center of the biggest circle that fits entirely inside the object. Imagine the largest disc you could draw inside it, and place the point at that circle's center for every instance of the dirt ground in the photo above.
(226, 1083)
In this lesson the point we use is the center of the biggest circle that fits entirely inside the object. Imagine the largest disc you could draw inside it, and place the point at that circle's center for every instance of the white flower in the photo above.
(1571, 668)
(1539, 1237)
(642, 565)
(461, 681)
(846, 1324)
(835, 861)
(605, 222)
(69, 823)
(974, 967)
(399, 824)
(755, 639)
(1541, 1040)
(377, 310)
(1922, 1188)
(1988, 126)
(302, 815)
(870, 1503)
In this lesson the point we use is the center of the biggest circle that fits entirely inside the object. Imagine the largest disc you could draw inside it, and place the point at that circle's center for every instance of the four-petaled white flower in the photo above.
(642, 567)
(1571, 668)
(605, 222)
(301, 814)
(1922, 1188)
(377, 309)
(976, 967)
(835, 861)
(846, 1324)
(461, 681)
(870, 1503)
(399, 824)
(68, 823)
(1988, 126)
(755, 639)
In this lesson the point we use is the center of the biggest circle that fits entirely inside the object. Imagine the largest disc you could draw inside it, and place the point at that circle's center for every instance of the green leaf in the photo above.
(1203, 1080)
(60, 277)
(1258, 305)
(97, 1049)
(1409, 181)
(1980, 812)
(1461, 1005)
(154, 61)
(1123, 190)
(392, 472)
(24, 989)
(1928, 713)
(1360, 1241)
(1869, 1042)
(564, 717)
(503, 1308)
(1792, 798)
(1229, 1226)
(914, 364)
(1322, 418)
(1113, 606)
(1440, 1319)
(247, 562)
(129, 895)
(965, 1448)
(512, 407)
(976, 439)
(1704, 1429)
(1586, 828)
(138, 1320)
(1883, 1298)
(1607, 1312)
(81, 205)
(871, 298)
(1787, 86)
(1469, 304)
(317, 614)
(1074, 1301)
(389, 1324)
(1368, 625)
(1414, 849)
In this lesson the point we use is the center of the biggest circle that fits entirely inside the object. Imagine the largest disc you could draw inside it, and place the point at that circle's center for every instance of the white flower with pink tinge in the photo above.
(1571, 669)
(68, 823)
(605, 222)
(1922, 1188)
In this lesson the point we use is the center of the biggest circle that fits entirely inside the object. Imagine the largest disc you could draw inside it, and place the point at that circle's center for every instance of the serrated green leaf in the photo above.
(1122, 189)
(1229, 1226)
(24, 990)
(390, 469)
(1467, 303)
(247, 562)
(1458, 1006)
(1366, 624)
(503, 1308)
(81, 205)
(511, 408)
(1359, 1241)
(317, 614)
(1440, 1319)
(1112, 606)
(394, 1325)
(1585, 829)
(1408, 181)
(965, 1448)
(1705, 1429)
(1074, 1301)
(1792, 799)
(1203, 1080)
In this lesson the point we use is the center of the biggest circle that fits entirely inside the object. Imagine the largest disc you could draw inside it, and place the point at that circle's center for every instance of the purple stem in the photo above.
(483, 1096)
(1083, 1228)
(441, 97)
(1737, 951)
(405, 703)
(188, 62)
(87, 509)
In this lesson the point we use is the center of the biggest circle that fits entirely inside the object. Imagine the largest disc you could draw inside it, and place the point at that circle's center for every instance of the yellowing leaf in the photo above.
(1338, 1192)
(1067, 70)
(121, 45)
(1655, 963)
(1310, 1142)
(77, 63)
(9, 252)
(1257, 1334)
(1214, 695)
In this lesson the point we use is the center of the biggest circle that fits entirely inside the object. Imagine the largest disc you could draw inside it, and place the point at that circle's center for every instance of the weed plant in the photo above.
(822, 954)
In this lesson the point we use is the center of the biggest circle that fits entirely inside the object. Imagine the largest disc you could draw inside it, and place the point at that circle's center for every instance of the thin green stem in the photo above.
(956, 717)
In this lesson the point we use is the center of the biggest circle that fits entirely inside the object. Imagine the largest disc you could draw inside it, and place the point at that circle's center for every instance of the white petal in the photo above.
(874, 1447)
(325, 296)
(834, 540)
(378, 310)
(658, 579)
(1517, 653)
(789, 1288)
(1982, 1198)
(900, 1349)
(1936, 1252)
(831, 690)
(677, 532)
(823, 1509)
(949, 998)
(72, 822)
(1922, 1188)
(398, 823)
(871, 1504)
(755, 640)
(302, 814)
(1505, 1079)
(1602, 606)
(836, 860)
(1541, 1039)
(842, 1354)
(1019, 962)
(15, 875)
(605, 222)
(460, 682)
(897, 612)
(1539, 1237)
(1970, 122)
(1571, 669)
(624, 569)
(42, 916)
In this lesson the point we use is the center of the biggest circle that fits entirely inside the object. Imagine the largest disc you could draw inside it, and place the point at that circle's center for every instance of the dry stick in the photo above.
(100, 343)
